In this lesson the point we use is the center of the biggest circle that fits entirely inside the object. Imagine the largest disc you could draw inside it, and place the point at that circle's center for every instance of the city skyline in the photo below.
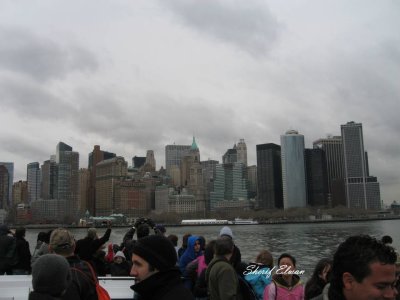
(132, 77)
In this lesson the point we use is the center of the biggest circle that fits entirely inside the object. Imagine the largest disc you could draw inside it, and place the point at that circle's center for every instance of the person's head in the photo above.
(322, 270)
(265, 258)
(226, 231)
(363, 268)
(185, 239)
(92, 233)
(20, 232)
(143, 230)
(119, 257)
(209, 251)
(288, 263)
(51, 275)
(160, 229)
(41, 237)
(62, 242)
(387, 239)
(224, 246)
(174, 239)
(152, 254)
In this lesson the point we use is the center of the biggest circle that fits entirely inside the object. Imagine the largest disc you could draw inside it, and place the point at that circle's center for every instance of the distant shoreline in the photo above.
(270, 222)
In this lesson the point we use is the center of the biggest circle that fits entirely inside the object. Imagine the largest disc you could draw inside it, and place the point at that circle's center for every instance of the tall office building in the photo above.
(49, 180)
(4, 182)
(95, 157)
(362, 190)
(269, 176)
(68, 179)
(230, 156)
(150, 160)
(230, 184)
(33, 177)
(252, 180)
(10, 173)
(316, 177)
(20, 192)
(333, 148)
(241, 150)
(209, 175)
(191, 157)
(109, 172)
(138, 161)
(174, 154)
(293, 172)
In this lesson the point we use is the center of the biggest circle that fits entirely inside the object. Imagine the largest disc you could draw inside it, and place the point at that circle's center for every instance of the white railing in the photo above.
(17, 287)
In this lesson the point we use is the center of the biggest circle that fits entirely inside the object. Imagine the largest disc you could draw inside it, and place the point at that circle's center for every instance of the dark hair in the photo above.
(41, 236)
(316, 284)
(283, 255)
(185, 239)
(223, 245)
(209, 251)
(20, 232)
(387, 239)
(143, 230)
(354, 256)
(174, 239)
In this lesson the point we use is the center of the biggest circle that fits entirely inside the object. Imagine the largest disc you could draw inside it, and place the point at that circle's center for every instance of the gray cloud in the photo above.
(32, 101)
(249, 25)
(40, 58)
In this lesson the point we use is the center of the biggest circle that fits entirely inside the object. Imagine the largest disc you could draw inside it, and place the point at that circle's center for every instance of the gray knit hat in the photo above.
(51, 275)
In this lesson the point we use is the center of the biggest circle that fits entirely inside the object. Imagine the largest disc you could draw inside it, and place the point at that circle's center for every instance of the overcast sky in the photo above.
(137, 75)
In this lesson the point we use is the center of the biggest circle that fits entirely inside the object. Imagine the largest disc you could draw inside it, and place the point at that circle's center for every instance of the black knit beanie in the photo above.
(51, 274)
(157, 250)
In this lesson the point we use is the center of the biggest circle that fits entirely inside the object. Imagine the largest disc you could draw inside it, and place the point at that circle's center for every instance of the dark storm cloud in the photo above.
(248, 25)
(31, 101)
(40, 58)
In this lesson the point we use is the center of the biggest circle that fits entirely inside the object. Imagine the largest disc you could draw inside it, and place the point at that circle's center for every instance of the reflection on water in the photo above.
(307, 242)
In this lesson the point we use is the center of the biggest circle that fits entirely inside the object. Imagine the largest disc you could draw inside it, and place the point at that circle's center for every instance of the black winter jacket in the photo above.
(165, 285)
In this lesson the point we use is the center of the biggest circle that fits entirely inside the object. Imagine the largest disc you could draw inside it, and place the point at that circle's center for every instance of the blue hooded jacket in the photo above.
(189, 253)
(259, 279)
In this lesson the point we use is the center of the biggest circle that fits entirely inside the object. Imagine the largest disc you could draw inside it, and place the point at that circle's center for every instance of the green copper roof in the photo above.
(194, 145)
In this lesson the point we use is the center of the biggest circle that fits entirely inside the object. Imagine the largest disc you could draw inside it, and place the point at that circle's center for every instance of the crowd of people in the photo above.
(362, 267)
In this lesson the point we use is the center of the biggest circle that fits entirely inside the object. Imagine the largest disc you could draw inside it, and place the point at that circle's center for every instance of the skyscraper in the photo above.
(230, 184)
(95, 157)
(333, 148)
(269, 176)
(33, 177)
(49, 180)
(10, 173)
(109, 173)
(4, 182)
(293, 173)
(316, 177)
(68, 178)
(150, 160)
(174, 154)
(362, 190)
(241, 150)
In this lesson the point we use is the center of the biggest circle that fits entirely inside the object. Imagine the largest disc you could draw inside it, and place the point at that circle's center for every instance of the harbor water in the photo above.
(307, 242)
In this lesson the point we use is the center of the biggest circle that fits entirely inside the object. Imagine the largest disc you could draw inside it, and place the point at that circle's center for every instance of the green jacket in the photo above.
(222, 280)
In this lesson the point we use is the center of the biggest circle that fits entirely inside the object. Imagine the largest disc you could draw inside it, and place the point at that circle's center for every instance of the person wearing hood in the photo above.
(8, 253)
(285, 285)
(156, 276)
(236, 258)
(120, 266)
(193, 251)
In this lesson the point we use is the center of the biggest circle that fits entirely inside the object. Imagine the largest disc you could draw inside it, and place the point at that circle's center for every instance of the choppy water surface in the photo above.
(307, 242)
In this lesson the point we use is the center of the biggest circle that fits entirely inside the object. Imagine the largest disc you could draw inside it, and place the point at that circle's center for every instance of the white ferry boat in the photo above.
(204, 222)
(239, 221)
